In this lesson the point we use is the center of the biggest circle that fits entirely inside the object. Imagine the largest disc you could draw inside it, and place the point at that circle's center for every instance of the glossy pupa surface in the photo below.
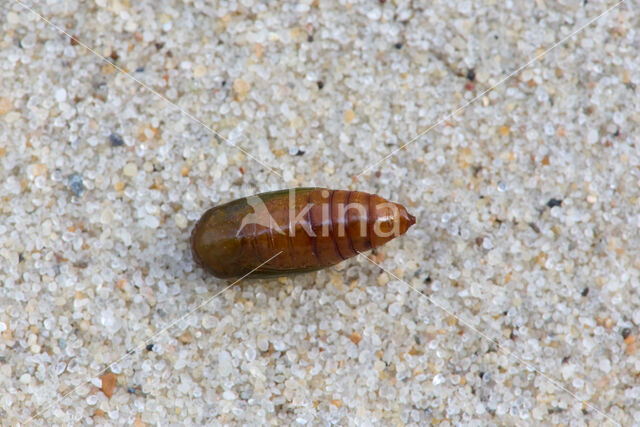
(296, 231)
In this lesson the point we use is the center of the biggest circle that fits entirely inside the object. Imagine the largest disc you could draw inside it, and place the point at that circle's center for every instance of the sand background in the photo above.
(514, 299)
